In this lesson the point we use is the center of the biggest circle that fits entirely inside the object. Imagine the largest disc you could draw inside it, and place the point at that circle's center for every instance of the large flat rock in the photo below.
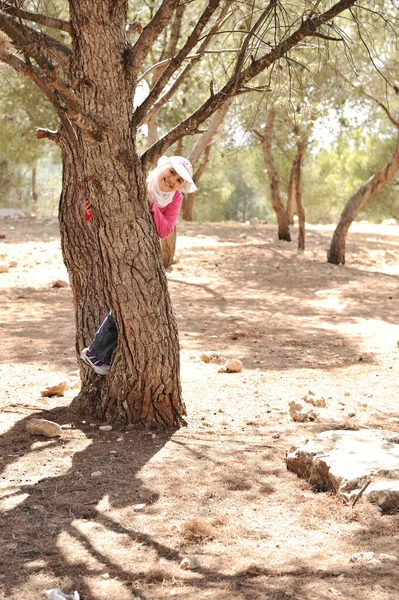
(345, 461)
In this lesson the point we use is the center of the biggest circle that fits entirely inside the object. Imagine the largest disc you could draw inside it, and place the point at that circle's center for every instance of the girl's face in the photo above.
(169, 180)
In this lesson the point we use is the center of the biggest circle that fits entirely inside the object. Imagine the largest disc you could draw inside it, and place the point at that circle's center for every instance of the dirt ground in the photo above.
(217, 492)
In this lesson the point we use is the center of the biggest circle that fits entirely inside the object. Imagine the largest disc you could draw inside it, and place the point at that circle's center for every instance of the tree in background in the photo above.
(368, 87)
(380, 178)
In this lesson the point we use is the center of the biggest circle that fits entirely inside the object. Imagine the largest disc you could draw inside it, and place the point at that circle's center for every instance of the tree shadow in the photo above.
(44, 519)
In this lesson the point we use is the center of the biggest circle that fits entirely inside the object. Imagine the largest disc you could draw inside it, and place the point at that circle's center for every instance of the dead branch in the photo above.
(48, 134)
(359, 495)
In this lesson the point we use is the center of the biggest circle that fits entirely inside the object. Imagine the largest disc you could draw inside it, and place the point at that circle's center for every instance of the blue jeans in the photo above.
(105, 340)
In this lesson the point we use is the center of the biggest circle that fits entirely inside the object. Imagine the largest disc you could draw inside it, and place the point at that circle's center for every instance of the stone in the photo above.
(96, 474)
(361, 557)
(372, 558)
(185, 564)
(344, 461)
(55, 390)
(59, 283)
(4, 267)
(232, 365)
(205, 357)
(43, 427)
(189, 563)
(300, 413)
(213, 357)
(105, 427)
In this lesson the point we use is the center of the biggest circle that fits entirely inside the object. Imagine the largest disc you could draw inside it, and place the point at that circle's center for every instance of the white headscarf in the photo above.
(157, 195)
(182, 166)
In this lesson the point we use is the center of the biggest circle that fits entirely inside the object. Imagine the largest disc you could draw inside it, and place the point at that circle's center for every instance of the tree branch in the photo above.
(40, 41)
(394, 121)
(307, 28)
(141, 112)
(151, 31)
(16, 33)
(48, 134)
(46, 78)
(45, 20)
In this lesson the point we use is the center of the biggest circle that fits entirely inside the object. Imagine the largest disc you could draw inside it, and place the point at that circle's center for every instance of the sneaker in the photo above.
(95, 363)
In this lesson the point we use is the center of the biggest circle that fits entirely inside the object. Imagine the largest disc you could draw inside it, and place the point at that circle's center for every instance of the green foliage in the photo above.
(233, 188)
(22, 110)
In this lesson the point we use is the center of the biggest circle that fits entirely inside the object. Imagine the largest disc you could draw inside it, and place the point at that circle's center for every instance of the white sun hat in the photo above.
(184, 168)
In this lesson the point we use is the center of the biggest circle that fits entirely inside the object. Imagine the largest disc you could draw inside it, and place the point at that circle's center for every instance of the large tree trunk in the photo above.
(282, 221)
(114, 261)
(336, 253)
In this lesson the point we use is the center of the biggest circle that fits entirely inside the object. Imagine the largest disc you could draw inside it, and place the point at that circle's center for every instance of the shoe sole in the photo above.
(87, 361)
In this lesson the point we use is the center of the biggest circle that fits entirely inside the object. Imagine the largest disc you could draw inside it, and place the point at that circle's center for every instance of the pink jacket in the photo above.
(165, 218)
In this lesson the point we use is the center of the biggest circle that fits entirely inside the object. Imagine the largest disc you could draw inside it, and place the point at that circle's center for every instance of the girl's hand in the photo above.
(88, 207)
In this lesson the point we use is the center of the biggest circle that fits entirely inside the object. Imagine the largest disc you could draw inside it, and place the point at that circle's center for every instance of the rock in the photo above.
(361, 557)
(4, 267)
(60, 284)
(300, 413)
(254, 222)
(213, 357)
(373, 559)
(345, 461)
(43, 427)
(55, 390)
(185, 564)
(96, 474)
(205, 357)
(386, 558)
(232, 365)
(389, 222)
(139, 507)
(191, 563)
(105, 427)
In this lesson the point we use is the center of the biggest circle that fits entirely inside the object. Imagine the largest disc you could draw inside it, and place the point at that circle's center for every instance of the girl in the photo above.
(166, 184)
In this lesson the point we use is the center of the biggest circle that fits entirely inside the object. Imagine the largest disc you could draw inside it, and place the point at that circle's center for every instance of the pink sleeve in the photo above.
(165, 219)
